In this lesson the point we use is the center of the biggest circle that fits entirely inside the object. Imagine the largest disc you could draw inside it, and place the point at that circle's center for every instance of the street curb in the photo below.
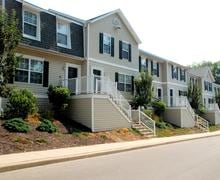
(40, 162)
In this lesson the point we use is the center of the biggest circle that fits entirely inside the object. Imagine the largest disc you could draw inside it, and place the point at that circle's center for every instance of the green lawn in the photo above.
(176, 131)
(214, 128)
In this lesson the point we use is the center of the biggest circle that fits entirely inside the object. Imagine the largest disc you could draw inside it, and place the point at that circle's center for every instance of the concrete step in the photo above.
(143, 130)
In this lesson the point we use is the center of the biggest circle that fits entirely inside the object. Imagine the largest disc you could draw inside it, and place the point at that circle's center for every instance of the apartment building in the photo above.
(97, 59)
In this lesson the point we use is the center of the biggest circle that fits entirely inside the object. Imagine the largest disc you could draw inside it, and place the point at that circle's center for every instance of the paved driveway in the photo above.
(191, 160)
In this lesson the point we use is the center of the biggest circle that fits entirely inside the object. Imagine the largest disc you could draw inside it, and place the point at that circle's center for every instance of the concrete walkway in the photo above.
(30, 159)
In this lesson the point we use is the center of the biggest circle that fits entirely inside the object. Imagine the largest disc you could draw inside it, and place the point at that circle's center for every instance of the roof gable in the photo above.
(123, 18)
(204, 72)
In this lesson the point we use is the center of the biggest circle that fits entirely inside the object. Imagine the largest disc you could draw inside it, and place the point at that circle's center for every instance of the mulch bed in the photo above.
(69, 135)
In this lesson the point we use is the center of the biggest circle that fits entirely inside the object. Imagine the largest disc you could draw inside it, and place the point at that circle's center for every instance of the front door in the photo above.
(72, 81)
(171, 97)
(97, 80)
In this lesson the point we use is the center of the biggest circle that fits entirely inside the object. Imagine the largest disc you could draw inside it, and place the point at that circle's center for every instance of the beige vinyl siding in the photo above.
(43, 104)
(179, 117)
(107, 116)
(80, 110)
(110, 71)
(105, 26)
(213, 117)
(56, 70)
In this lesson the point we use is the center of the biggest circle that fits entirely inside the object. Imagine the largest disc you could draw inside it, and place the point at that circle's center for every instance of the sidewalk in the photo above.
(37, 158)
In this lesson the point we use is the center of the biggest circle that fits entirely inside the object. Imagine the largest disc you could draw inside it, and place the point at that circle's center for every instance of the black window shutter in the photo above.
(172, 68)
(140, 64)
(11, 79)
(112, 46)
(152, 68)
(129, 58)
(181, 77)
(158, 70)
(116, 77)
(184, 75)
(46, 74)
(132, 83)
(101, 43)
(147, 64)
(177, 73)
(120, 50)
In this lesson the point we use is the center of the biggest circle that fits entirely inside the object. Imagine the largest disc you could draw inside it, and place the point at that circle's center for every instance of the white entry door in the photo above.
(72, 78)
(97, 78)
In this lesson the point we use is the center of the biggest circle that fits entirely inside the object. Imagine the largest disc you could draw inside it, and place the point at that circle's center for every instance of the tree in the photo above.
(194, 95)
(144, 90)
(10, 37)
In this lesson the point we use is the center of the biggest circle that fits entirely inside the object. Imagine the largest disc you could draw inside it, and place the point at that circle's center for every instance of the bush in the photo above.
(17, 125)
(58, 96)
(148, 112)
(20, 103)
(159, 107)
(47, 126)
(163, 125)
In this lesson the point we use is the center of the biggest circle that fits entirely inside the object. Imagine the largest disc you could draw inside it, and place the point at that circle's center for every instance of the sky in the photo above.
(184, 31)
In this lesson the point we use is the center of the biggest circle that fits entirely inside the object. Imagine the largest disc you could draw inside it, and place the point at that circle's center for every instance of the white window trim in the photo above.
(125, 82)
(38, 37)
(125, 50)
(68, 46)
(105, 34)
(29, 69)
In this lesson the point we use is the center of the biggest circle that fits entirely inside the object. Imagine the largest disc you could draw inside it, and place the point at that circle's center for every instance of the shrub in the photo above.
(17, 125)
(163, 125)
(148, 112)
(20, 103)
(58, 96)
(159, 107)
(47, 126)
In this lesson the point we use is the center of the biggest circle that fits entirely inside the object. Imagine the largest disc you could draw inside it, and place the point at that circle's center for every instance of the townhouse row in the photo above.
(98, 59)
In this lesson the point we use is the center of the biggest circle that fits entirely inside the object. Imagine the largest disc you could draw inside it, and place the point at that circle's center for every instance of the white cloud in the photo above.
(184, 31)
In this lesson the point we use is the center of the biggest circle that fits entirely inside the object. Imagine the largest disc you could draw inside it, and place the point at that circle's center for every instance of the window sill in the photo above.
(63, 46)
(31, 37)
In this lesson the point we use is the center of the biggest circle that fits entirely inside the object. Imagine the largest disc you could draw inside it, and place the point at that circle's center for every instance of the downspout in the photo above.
(87, 57)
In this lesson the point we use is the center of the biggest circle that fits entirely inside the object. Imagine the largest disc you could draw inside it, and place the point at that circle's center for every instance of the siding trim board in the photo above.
(112, 64)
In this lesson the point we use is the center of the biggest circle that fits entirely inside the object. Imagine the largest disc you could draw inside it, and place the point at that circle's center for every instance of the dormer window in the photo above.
(31, 25)
(63, 34)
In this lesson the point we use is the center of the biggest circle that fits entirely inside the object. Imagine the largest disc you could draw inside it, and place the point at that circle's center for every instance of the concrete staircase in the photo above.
(143, 130)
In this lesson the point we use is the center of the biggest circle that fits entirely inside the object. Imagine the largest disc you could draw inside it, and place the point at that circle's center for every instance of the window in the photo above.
(174, 72)
(144, 65)
(106, 44)
(182, 93)
(31, 25)
(125, 50)
(182, 75)
(154, 68)
(124, 83)
(63, 34)
(207, 86)
(29, 71)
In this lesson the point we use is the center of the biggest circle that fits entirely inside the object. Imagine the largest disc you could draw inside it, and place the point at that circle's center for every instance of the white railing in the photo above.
(141, 118)
(98, 85)
(212, 107)
(202, 123)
